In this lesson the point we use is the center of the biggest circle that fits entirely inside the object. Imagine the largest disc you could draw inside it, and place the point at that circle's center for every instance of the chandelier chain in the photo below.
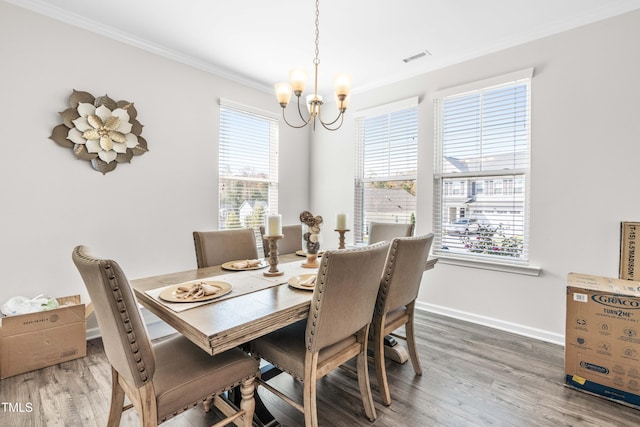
(316, 60)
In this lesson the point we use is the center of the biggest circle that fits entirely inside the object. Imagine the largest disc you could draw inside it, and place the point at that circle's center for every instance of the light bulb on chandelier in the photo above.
(298, 79)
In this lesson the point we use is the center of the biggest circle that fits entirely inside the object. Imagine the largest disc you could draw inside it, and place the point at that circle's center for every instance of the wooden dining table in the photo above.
(221, 325)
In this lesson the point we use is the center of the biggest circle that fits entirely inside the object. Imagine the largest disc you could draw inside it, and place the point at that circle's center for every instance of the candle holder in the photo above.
(341, 233)
(273, 256)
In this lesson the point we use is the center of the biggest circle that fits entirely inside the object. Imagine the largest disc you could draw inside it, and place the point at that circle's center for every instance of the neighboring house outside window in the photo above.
(481, 171)
(386, 168)
(248, 167)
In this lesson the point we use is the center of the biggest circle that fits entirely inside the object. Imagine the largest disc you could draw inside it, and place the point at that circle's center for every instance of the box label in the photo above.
(629, 260)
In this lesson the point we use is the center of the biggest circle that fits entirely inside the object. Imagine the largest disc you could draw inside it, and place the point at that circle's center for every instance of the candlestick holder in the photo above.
(311, 261)
(273, 256)
(341, 233)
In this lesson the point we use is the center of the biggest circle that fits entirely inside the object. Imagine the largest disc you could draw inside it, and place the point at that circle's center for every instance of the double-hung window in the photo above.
(248, 166)
(481, 171)
(386, 166)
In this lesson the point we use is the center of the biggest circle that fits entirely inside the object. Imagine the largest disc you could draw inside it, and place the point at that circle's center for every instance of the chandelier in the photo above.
(314, 101)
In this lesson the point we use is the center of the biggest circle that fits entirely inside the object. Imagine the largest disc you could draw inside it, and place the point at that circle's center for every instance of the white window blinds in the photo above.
(385, 181)
(248, 166)
(481, 198)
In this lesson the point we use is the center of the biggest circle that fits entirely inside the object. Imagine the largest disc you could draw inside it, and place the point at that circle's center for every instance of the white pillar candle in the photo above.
(341, 221)
(273, 225)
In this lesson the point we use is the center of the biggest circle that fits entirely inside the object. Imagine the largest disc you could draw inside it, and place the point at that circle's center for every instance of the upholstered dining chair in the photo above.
(381, 231)
(335, 331)
(290, 243)
(160, 380)
(395, 304)
(220, 246)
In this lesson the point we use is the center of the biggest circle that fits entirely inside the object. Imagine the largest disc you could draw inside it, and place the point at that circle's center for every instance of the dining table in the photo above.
(255, 306)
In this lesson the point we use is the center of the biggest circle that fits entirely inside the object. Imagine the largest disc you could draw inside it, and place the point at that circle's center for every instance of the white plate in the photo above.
(170, 295)
(296, 282)
(229, 265)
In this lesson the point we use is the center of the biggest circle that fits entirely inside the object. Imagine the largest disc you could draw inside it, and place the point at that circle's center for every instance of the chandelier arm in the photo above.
(340, 114)
(326, 125)
(305, 123)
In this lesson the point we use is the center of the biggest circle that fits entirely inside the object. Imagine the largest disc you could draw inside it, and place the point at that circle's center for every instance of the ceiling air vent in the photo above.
(417, 56)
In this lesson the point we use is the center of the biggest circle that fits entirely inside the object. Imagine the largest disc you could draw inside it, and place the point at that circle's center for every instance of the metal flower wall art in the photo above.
(100, 130)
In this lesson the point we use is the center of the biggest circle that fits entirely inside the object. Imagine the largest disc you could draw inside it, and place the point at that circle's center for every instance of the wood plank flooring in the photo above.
(473, 376)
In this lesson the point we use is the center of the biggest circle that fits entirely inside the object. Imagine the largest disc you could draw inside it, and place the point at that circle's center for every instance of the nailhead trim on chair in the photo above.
(384, 288)
(320, 286)
(211, 396)
(124, 314)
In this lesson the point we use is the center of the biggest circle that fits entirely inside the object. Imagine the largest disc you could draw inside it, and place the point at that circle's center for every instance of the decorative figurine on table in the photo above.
(310, 238)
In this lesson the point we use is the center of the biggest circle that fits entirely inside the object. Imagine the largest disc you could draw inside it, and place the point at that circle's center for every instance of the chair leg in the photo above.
(381, 370)
(363, 378)
(411, 341)
(248, 403)
(149, 410)
(117, 400)
(309, 390)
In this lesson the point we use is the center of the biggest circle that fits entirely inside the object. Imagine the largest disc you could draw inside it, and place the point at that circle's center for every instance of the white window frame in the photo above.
(361, 224)
(468, 259)
(235, 148)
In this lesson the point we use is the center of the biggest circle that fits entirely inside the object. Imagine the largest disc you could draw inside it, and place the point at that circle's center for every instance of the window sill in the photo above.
(495, 266)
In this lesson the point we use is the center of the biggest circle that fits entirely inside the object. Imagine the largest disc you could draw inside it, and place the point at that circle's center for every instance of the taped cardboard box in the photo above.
(602, 351)
(37, 340)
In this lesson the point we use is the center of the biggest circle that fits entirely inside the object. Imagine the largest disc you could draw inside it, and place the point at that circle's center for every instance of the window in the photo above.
(387, 161)
(248, 167)
(482, 137)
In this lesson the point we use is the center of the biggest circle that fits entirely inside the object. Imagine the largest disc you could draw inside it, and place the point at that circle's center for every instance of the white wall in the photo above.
(142, 214)
(585, 137)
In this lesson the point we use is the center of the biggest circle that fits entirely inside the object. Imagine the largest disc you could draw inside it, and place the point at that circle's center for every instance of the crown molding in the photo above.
(75, 20)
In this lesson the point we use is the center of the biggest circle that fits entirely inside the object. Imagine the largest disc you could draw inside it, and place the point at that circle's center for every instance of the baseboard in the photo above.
(515, 328)
(158, 329)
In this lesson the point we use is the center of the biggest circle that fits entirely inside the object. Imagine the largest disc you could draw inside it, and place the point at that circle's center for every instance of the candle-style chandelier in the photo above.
(298, 80)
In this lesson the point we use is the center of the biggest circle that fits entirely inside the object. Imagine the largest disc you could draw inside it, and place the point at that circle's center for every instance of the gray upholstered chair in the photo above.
(289, 244)
(396, 301)
(220, 246)
(336, 329)
(381, 231)
(160, 380)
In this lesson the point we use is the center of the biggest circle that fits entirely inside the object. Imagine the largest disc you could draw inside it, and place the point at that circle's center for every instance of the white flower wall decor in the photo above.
(100, 130)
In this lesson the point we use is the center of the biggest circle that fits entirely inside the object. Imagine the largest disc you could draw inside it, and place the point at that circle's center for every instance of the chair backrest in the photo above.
(290, 243)
(124, 334)
(344, 297)
(218, 247)
(381, 231)
(403, 272)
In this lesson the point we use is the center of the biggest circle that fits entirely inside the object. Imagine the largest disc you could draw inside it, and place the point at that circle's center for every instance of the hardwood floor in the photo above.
(473, 376)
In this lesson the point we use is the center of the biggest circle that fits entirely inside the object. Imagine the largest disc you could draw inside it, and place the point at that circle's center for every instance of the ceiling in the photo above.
(257, 42)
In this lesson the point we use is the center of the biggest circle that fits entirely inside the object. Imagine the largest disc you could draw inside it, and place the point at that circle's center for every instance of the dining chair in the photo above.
(164, 379)
(220, 246)
(381, 231)
(335, 331)
(396, 299)
(289, 244)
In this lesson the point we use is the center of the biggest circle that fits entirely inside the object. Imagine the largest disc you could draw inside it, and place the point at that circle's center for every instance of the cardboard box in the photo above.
(36, 340)
(602, 351)
(629, 259)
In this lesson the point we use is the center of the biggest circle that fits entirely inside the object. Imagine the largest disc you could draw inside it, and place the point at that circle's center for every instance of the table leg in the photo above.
(262, 416)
